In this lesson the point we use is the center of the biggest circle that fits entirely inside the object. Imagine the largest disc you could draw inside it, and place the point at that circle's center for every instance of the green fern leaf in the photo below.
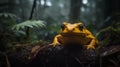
(10, 15)
(30, 24)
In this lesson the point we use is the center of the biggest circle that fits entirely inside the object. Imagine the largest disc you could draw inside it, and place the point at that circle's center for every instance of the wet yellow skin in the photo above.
(75, 34)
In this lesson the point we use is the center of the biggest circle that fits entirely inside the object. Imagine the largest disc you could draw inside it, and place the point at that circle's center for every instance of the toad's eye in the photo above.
(63, 27)
(81, 27)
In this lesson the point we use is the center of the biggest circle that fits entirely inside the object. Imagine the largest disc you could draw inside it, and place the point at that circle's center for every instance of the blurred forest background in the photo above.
(36, 21)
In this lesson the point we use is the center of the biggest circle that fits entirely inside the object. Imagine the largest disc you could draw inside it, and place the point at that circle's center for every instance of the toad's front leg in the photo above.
(93, 42)
(56, 40)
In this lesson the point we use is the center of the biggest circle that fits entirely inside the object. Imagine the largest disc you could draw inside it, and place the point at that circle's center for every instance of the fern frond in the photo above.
(8, 15)
(30, 24)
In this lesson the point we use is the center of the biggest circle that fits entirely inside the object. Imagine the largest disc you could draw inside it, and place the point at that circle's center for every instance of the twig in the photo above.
(37, 50)
(31, 15)
(7, 61)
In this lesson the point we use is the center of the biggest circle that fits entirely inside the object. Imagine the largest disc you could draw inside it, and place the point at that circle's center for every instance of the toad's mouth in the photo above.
(73, 34)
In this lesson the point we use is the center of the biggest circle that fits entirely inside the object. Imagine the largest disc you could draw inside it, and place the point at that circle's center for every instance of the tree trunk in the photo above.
(75, 10)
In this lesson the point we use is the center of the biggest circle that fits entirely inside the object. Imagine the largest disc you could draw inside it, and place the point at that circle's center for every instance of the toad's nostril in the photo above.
(73, 29)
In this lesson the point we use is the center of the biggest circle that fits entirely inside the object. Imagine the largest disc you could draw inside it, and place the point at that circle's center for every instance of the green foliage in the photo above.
(110, 35)
(28, 23)
(35, 27)
(8, 15)
(8, 20)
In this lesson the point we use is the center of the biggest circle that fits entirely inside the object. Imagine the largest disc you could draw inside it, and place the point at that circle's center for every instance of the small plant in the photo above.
(110, 35)
(8, 15)
(28, 23)
(27, 28)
